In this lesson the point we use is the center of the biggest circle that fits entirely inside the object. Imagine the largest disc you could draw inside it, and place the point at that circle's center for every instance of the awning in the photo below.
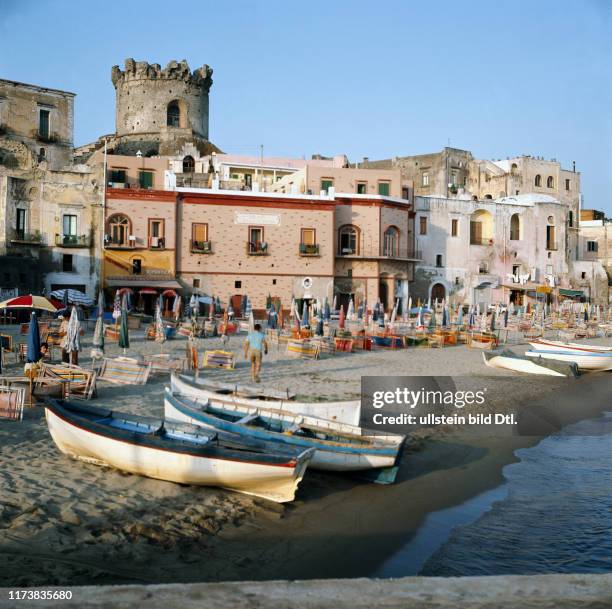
(168, 293)
(148, 291)
(161, 284)
(571, 293)
(523, 287)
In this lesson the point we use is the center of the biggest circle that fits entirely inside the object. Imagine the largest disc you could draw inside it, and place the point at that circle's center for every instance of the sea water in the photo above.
(552, 515)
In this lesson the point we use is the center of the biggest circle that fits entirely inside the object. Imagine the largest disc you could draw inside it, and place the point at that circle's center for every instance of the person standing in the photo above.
(254, 344)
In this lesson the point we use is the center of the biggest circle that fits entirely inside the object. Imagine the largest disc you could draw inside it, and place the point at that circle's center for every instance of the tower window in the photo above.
(188, 164)
(43, 123)
(174, 114)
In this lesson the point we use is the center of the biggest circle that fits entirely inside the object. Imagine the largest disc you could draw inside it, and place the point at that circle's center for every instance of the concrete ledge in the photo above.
(499, 592)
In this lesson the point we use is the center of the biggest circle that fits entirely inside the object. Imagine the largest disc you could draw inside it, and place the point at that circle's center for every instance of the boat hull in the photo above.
(554, 345)
(525, 365)
(332, 457)
(274, 482)
(584, 360)
(343, 412)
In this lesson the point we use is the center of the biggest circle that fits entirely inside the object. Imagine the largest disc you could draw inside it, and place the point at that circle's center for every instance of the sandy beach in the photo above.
(64, 522)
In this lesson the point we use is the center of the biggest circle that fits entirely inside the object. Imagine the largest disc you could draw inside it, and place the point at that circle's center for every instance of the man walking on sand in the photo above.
(253, 345)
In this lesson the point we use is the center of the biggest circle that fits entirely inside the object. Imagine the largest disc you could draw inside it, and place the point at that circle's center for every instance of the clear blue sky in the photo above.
(366, 78)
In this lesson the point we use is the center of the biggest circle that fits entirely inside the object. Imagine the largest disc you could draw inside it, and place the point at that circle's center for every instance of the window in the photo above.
(69, 225)
(570, 218)
(326, 184)
(513, 168)
(156, 233)
(405, 193)
(453, 178)
(515, 228)
(488, 196)
(173, 114)
(391, 242)
(348, 240)
(117, 176)
(454, 227)
(119, 229)
(308, 236)
(383, 189)
(20, 223)
(274, 282)
(550, 182)
(237, 285)
(424, 179)
(422, 225)
(199, 233)
(362, 188)
(483, 268)
(43, 123)
(256, 244)
(516, 269)
(439, 260)
(196, 283)
(42, 155)
(145, 179)
(592, 246)
(137, 266)
(349, 272)
(568, 184)
(538, 180)
(188, 164)
(550, 238)
(67, 263)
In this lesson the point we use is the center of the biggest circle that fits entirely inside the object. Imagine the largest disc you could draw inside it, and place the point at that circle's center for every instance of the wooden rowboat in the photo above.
(176, 452)
(510, 361)
(556, 345)
(585, 360)
(341, 412)
(339, 447)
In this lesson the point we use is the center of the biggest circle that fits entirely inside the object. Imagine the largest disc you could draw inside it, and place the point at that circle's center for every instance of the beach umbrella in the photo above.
(493, 321)
(341, 318)
(360, 311)
(72, 339)
(350, 310)
(319, 329)
(586, 313)
(33, 354)
(268, 302)
(334, 303)
(472, 317)
(444, 317)
(432, 320)
(305, 319)
(460, 315)
(272, 318)
(98, 338)
(243, 305)
(28, 302)
(506, 313)
(249, 307)
(160, 333)
(393, 314)
(218, 306)
(124, 333)
(381, 318)
(420, 317)
(375, 312)
(230, 309)
(326, 310)
(117, 306)
(251, 321)
(101, 303)
(70, 296)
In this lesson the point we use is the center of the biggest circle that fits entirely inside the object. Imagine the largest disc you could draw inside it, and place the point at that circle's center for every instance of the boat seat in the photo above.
(294, 428)
(249, 418)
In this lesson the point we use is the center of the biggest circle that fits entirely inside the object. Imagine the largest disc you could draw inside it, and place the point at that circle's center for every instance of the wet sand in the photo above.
(64, 522)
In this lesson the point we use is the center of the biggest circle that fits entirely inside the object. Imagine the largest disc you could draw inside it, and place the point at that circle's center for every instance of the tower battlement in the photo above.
(175, 70)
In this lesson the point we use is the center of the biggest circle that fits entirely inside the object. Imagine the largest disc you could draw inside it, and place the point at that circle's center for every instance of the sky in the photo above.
(377, 79)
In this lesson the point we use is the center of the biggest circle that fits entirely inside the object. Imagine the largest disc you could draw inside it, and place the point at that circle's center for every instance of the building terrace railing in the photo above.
(73, 240)
(309, 249)
(398, 253)
(257, 249)
(481, 241)
(35, 238)
(201, 247)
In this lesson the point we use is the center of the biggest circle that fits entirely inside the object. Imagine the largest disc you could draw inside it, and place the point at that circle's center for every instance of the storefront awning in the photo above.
(571, 293)
(162, 284)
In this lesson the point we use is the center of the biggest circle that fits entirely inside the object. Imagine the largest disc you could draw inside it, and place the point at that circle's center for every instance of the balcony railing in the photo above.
(19, 236)
(309, 249)
(481, 241)
(374, 253)
(119, 245)
(73, 240)
(551, 246)
(257, 249)
(201, 247)
(157, 243)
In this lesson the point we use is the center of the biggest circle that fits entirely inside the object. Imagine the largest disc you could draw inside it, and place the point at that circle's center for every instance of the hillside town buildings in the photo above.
(157, 206)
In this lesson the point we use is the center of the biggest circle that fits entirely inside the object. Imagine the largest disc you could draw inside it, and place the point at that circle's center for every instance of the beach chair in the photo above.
(192, 356)
(111, 333)
(304, 349)
(218, 359)
(165, 363)
(124, 371)
(12, 400)
(78, 382)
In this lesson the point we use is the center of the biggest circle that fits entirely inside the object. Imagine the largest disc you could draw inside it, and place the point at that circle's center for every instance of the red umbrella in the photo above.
(28, 302)
(342, 317)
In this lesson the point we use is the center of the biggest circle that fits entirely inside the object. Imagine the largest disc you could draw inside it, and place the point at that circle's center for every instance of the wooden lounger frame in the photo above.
(124, 371)
(12, 400)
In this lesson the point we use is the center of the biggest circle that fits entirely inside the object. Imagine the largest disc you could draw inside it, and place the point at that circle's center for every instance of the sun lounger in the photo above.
(11, 403)
(124, 371)
(218, 359)
(303, 348)
(78, 382)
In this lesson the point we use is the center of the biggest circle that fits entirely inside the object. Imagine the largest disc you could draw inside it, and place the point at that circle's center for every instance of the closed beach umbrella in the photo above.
(72, 340)
(334, 303)
(272, 318)
(444, 317)
(420, 317)
(98, 338)
(432, 319)
(305, 319)
(218, 306)
(360, 311)
(506, 313)
(243, 305)
(326, 310)
(350, 310)
(230, 309)
(375, 312)
(176, 309)
(586, 313)
(268, 302)
(251, 322)
(342, 318)
(124, 333)
(249, 307)
(472, 319)
(117, 307)
(493, 322)
(319, 330)
(460, 316)
(160, 334)
(393, 314)
(33, 354)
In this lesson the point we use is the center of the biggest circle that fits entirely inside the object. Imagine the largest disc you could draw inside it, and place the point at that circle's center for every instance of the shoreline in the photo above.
(68, 523)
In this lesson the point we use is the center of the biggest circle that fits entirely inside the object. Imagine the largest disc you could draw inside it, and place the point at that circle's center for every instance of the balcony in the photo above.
(551, 246)
(157, 243)
(257, 249)
(73, 240)
(21, 237)
(109, 244)
(485, 241)
(201, 247)
(309, 249)
(406, 254)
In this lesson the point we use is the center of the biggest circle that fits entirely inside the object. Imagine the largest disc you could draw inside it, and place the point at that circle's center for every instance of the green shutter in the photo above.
(383, 188)
(146, 179)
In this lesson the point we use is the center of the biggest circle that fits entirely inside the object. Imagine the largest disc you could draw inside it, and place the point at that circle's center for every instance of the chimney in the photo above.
(365, 161)
(574, 166)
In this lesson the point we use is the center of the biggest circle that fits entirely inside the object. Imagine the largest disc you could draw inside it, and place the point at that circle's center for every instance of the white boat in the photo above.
(176, 452)
(542, 344)
(510, 361)
(585, 360)
(339, 447)
(342, 412)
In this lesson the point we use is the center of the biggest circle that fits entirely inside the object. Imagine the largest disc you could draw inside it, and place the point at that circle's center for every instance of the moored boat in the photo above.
(542, 344)
(338, 446)
(510, 361)
(176, 452)
(343, 412)
(585, 360)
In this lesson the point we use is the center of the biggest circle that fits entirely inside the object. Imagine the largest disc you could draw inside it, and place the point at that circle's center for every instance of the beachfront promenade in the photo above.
(507, 592)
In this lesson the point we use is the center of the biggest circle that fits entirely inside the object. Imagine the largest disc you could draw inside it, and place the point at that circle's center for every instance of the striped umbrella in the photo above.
(117, 306)
(160, 333)
(28, 302)
(70, 296)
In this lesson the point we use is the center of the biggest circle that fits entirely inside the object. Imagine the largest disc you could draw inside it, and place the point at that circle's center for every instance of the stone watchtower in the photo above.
(158, 110)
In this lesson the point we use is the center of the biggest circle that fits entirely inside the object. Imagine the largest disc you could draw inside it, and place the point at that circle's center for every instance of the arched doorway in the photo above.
(438, 291)
(173, 116)
(188, 164)
(383, 294)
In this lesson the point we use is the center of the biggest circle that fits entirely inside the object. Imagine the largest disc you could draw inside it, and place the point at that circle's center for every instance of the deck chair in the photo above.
(11, 403)
(124, 371)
